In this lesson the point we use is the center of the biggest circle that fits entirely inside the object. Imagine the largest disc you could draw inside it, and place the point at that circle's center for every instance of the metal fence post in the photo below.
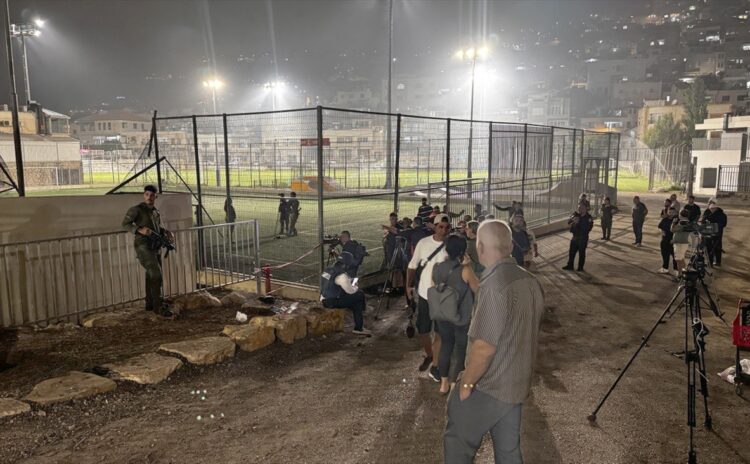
(489, 171)
(448, 163)
(226, 153)
(156, 152)
(523, 162)
(398, 163)
(321, 229)
(199, 214)
(609, 156)
(617, 166)
(582, 167)
(256, 242)
(549, 189)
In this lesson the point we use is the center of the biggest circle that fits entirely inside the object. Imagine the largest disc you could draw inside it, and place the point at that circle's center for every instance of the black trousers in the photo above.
(667, 251)
(606, 230)
(713, 246)
(355, 302)
(578, 246)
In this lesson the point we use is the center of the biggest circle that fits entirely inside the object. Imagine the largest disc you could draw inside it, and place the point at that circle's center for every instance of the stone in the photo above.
(253, 309)
(199, 300)
(250, 337)
(288, 327)
(108, 318)
(10, 407)
(233, 299)
(149, 368)
(325, 322)
(73, 386)
(202, 351)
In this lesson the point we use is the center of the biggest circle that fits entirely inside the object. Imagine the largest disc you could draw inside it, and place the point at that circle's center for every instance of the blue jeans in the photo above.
(471, 419)
(638, 231)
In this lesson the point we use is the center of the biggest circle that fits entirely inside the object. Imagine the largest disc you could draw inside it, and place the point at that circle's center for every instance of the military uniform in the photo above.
(138, 216)
(293, 216)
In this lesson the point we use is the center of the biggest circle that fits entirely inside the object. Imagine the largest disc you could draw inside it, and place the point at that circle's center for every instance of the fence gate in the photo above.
(595, 172)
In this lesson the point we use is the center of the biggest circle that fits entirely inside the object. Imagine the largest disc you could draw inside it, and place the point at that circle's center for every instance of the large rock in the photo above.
(148, 368)
(73, 386)
(208, 350)
(233, 299)
(251, 308)
(199, 300)
(288, 327)
(250, 337)
(325, 321)
(109, 318)
(10, 407)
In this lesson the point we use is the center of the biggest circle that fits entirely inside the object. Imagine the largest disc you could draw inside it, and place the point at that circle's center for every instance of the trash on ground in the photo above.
(241, 317)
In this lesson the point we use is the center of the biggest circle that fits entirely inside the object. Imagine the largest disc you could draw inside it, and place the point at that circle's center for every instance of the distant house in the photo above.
(51, 156)
(721, 156)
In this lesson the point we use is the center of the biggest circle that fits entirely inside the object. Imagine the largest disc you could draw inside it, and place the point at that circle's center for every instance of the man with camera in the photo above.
(428, 252)
(353, 247)
(144, 221)
(715, 215)
(339, 290)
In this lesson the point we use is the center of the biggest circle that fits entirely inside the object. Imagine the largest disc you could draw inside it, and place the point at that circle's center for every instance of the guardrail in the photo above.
(734, 178)
(65, 278)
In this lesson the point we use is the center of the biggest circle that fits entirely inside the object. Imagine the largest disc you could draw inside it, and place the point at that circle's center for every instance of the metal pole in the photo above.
(691, 175)
(617, 167)
(197, 173)
(390, 82)
(21, 183)
(609, 154)
(156, 152)
(256, 243)
(27, 82)
(398, 162)
(226, 153)
(523, 162)
(489, 170)
(274, 164)
(549, 189)
(471, 122)
(448, 163)
(321, 229)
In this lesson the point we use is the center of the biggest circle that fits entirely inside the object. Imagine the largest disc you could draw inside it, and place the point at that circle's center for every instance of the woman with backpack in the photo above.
(453, 277)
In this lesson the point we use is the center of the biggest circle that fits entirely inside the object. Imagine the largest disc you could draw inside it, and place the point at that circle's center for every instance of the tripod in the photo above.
(694, 352)
(399, 249)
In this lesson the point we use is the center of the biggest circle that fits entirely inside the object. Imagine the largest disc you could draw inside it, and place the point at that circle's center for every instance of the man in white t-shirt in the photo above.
(429, 251)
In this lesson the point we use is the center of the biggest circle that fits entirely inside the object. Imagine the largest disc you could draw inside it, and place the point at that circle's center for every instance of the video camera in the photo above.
(706, 229)
(332, 240)
(158, 241)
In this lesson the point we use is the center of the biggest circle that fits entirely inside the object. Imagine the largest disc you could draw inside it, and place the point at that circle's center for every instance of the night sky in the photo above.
(155, 53)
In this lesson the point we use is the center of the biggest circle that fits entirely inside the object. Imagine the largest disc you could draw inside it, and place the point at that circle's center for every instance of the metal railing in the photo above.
(734, 178)
(723, 143)
(65, 278)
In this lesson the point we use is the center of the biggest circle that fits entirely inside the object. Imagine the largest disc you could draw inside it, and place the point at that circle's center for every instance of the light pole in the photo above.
(274, 87)
(22, 31)
(388, 161)
(215, 84)
(472, 54)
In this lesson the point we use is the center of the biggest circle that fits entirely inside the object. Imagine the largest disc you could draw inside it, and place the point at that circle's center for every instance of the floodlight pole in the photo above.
(21, 184)
(390, 84)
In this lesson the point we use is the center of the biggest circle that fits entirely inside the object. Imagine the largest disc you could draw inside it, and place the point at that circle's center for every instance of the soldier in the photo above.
(283, 214)
(143, 220)
(294, 210)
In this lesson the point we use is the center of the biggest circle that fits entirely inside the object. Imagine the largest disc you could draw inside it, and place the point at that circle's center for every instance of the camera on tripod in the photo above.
(332, 240)
(705, 230)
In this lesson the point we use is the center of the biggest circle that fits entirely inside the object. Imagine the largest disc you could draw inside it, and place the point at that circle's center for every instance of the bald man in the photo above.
(503, 343)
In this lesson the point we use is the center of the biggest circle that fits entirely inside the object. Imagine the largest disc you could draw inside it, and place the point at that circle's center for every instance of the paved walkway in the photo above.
(348, 400)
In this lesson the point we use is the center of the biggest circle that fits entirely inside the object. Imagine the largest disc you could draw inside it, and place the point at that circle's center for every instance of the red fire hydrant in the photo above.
(267, 277)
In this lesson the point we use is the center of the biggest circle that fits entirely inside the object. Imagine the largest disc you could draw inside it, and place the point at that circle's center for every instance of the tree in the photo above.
(695, 107)
(665, 132)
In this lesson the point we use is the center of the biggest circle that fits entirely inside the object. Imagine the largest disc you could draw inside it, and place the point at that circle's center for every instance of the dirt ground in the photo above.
(342, 399)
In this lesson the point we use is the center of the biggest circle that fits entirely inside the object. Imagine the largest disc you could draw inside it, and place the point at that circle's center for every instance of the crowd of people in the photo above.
(477, 310)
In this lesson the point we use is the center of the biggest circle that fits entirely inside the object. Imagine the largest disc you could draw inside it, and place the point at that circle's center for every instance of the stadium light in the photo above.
(472, 54)
(21, 31)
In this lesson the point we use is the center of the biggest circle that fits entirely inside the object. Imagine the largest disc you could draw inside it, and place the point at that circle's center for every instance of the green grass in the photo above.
(627, 182)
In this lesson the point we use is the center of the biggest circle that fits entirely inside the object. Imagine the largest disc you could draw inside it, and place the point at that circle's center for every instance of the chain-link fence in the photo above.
(646, 169)
(351, 169)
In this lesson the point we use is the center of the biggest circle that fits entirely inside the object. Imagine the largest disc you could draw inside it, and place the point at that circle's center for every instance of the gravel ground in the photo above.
(342, 399)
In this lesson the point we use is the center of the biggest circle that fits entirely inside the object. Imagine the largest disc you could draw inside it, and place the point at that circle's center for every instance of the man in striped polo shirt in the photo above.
(503, 337)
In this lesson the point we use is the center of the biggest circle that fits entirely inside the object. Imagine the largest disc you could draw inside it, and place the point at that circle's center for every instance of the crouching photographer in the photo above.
(339, 290)
(356, 249)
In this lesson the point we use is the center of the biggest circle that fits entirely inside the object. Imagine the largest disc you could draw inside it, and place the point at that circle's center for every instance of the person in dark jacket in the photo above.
(424, 210)
(521, 239)
(715, 215)
(665, 209)
(283, 214)
(607, 210)
(639, 217)
(580, 224)
(694, 211)
(667, 249)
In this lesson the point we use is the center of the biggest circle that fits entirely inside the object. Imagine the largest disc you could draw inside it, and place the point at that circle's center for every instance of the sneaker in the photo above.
(425, 363)
(434, 373)
(567, 268)
(362, 331)
(663, 271)
(638, 245)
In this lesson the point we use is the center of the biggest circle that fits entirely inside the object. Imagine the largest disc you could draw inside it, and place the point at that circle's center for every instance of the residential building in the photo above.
(723, 149)
(635, 92)
(112, 126)
(603, 74)
(653, 110)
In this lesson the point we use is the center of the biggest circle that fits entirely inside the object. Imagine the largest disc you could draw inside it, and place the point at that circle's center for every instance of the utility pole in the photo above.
(21, 184)
(388, 162)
